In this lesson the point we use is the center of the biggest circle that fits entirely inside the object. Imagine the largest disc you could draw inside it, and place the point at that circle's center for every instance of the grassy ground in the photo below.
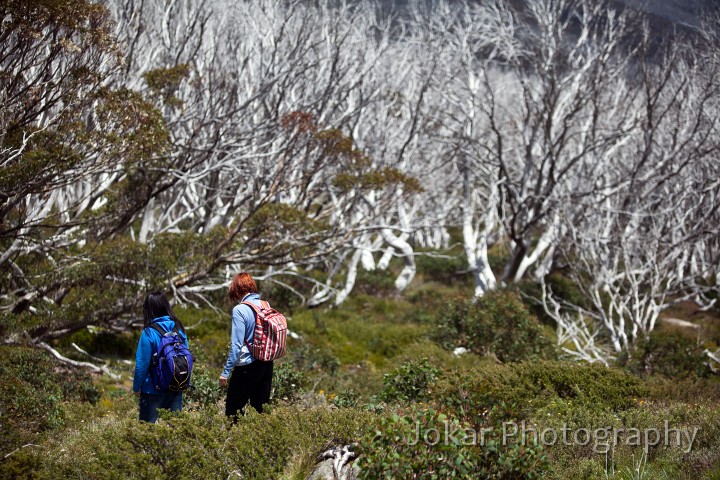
(375, 364)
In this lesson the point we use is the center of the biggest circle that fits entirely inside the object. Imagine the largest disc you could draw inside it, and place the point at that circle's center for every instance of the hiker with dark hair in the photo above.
(257, 338)
(162, 360)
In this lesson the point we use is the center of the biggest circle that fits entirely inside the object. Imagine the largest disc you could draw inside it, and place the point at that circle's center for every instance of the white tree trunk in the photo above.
(342, 294)
(408, 272)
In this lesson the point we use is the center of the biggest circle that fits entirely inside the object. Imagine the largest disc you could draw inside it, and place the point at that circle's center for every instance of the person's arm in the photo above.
(143, 354)
(237, 340)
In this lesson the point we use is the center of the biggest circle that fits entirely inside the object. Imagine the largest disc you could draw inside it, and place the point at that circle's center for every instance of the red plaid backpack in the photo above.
(270, 332)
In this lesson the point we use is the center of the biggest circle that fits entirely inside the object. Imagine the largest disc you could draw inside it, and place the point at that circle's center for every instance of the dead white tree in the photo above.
(529, 108)
(639, 245)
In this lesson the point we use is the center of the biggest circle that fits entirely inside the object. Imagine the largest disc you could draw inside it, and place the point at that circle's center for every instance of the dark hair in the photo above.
(156, 305)
(241, 285)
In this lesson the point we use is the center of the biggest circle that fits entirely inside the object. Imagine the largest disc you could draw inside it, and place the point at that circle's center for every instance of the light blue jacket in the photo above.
(147, 345)
(243, 330)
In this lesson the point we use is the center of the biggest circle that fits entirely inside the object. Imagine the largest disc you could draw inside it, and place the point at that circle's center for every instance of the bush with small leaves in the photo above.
(671, 354)
(32, 394)
(532, 385)
(376, 283)
(347, 398)
(425, 443)
(409, 382)
(204, 389)
(287, 382)
(497, 323)
(443, 268)
(194, 444)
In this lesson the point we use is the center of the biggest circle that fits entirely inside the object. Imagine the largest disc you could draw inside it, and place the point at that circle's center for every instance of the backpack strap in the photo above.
(251, 305)
(255, 310)
(162, 332)
(157, 328)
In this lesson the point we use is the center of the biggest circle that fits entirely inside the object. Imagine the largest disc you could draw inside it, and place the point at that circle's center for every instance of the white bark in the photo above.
(74, 363)
(408, 255)
(343, 293)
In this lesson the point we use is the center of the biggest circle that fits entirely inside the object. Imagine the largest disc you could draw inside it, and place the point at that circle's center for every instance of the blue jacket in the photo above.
(243, 330)
(147, 345)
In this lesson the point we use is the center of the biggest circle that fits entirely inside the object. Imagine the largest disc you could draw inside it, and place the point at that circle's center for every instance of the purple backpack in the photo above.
(172, 363)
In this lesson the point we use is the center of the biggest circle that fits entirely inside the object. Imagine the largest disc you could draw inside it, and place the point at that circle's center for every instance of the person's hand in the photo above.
(223, 381)
(137, 394)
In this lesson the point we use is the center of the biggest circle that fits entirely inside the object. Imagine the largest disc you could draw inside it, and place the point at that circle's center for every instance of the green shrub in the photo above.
(496, 323)
(531, 385)
(347, 398)
(446, 269)
(32, 393)
(561, 286)
(498, 256)
(287, 382)
(669, 353)
(383, 346)
(205, 390)
(376, 282)
(427, 444)
(79, 387)
(364, 329)
(430, 298)
(208, 334)
(283, 296)
(103, 343)
(195, 445)
(391, 452)
(672, 456)
(409, 382)
(565, 288)
(686, 390)
(593, 384)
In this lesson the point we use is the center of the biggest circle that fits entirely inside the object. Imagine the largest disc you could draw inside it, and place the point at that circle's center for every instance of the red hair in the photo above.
(241, 285)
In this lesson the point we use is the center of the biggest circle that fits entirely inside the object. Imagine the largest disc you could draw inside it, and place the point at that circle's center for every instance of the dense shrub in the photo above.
(429, 299)
(211, 350)
(561, 287)
(205, 390)
(565, 288)
(306, 357)
(445, 269)
(496, 323)
(287, 382)
(346, 398)
(103, 343)
(283, 296)
(530, 385)
(671, 457)
(196, 445)
(346, 351)
(365, 329)
(685, 390)
(427, 444)
(669, 353)
(409, 382)
(32, 393)
(375, 282)
(498, 256)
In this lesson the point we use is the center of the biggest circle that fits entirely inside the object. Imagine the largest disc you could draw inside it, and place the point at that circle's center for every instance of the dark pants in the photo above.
(150, 402)
(249, 382)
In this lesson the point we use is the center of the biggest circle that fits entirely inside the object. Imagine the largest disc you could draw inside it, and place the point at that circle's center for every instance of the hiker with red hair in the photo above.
(252, 369)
